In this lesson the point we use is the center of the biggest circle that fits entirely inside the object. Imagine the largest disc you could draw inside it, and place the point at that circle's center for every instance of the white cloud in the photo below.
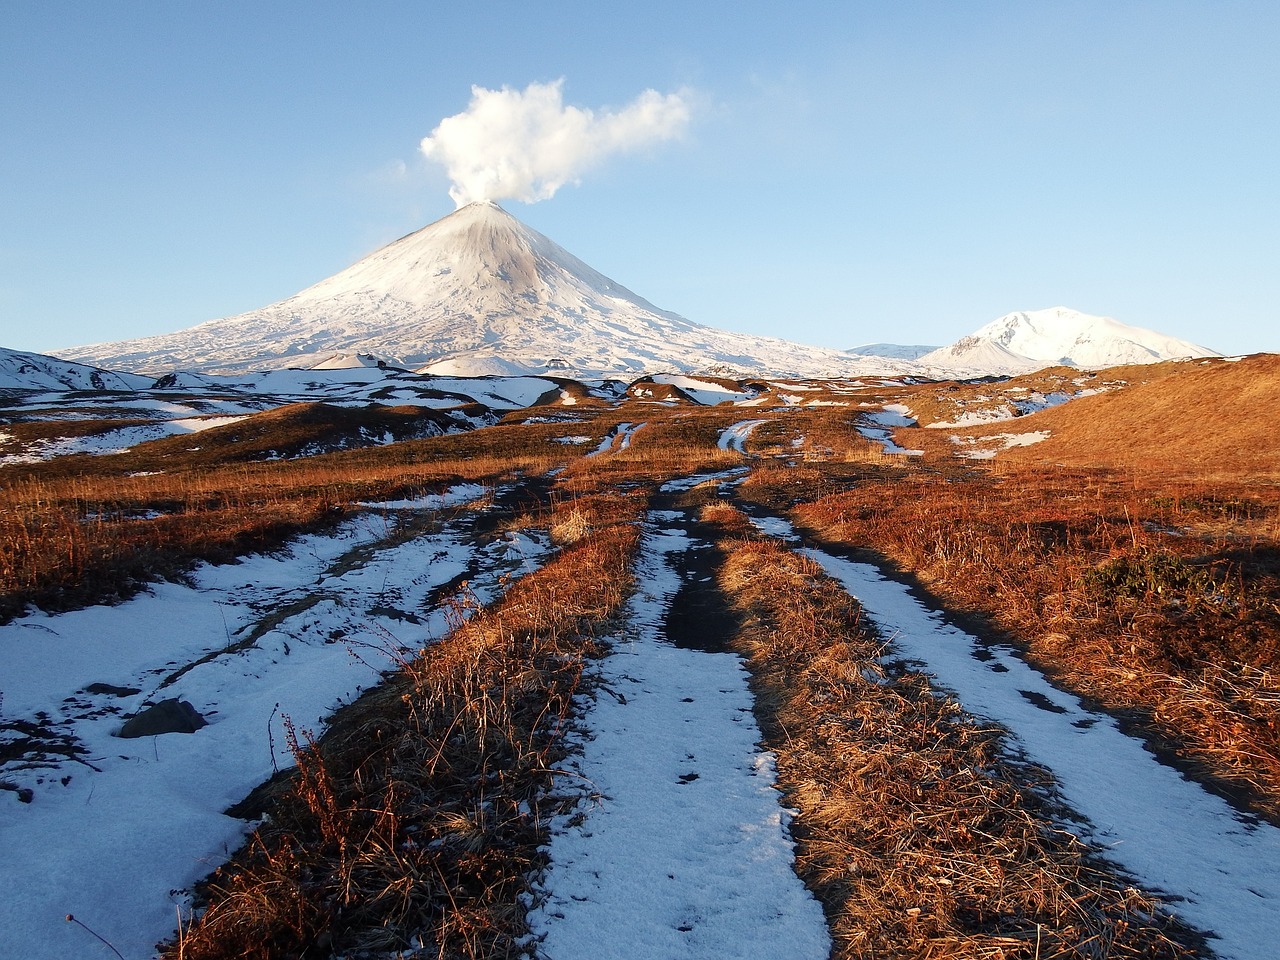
(526, 144)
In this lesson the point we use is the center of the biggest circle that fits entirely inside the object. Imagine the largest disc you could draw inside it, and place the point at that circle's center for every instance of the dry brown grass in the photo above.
(918, 833)
(415, 823)
(830, 433)
(61, 548)
(1162, 602)
(88, 529)
(419, 815)
(1202, 419)
(84, 529)
(672, 442)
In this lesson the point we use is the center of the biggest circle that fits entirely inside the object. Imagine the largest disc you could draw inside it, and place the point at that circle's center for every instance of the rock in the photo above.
(111, 690)
(167, 716)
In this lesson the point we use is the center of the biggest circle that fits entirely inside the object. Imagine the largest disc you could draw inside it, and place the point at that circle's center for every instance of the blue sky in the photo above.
(852, 172)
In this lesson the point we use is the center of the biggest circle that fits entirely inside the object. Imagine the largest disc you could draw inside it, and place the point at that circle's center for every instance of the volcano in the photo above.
(1033, 339)
(475, 293)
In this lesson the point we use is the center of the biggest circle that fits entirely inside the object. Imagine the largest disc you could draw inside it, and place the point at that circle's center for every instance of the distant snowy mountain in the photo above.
(347, 361)
(476, 292)
(1030, 340)
(894, 351)
(35, 371)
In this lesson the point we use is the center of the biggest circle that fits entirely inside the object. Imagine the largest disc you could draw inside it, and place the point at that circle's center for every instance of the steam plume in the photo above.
(525, 145)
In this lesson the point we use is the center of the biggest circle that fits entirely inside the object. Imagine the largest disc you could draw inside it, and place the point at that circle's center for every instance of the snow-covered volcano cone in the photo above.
(476, 291)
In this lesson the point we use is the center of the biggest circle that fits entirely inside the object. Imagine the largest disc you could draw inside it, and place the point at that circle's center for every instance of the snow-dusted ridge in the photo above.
(35, 371)
(895, 351)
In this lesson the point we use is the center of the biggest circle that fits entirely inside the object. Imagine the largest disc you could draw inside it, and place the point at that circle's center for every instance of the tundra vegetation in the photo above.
(1133, 555)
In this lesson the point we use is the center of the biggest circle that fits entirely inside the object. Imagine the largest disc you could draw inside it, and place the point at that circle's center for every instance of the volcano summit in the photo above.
(477, 292)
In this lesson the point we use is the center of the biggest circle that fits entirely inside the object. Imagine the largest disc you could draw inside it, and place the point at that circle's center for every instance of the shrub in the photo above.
(1149, 574)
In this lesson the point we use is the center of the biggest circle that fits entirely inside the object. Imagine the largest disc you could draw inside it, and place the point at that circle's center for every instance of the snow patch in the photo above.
(735, 437)
(985, 448)
(679, 847)
(878, 426)
(617, 439)
(704, 391)
(150, 810)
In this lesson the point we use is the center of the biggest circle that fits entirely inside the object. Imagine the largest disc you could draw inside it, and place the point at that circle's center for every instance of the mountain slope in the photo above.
(477, 288)
(1207, 418)
(894, 351)
(1029, 340)
(35, 371)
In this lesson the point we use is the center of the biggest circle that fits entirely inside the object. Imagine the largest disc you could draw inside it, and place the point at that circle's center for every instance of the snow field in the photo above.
(679, 847)
(149, 811)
